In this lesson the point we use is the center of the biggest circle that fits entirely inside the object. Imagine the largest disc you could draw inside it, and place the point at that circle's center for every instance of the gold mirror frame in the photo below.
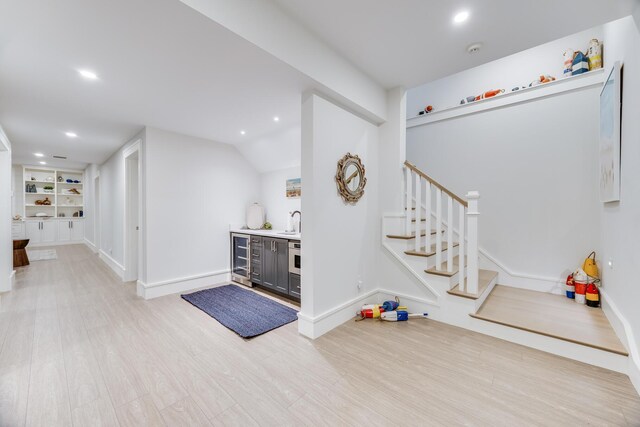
(342, 181)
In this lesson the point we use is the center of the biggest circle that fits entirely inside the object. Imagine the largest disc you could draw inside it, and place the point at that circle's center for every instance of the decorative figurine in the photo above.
(594, 54)
(568, 62)
(489, 94)
(544, 78)
(580, 64)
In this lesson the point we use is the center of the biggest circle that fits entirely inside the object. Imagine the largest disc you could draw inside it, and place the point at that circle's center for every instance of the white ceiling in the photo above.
(160, 64)
(411, 42)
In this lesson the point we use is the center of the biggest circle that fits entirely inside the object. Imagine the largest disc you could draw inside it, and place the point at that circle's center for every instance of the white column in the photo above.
(418, 223)
(449, 233)
(409, 202)
(462, 246)
(438, 229)
(472, 233)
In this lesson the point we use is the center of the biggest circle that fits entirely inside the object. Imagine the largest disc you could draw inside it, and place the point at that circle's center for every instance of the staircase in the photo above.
(436, 239)
(448, 255)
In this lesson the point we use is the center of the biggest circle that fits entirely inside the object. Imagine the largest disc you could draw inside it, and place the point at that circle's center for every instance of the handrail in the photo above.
(436, 183)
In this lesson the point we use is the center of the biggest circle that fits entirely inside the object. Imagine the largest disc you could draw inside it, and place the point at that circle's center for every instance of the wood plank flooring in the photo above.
(551, 315)
(78, 348)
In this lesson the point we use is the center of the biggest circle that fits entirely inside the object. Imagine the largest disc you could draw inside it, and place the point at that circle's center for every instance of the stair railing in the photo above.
(467, 215)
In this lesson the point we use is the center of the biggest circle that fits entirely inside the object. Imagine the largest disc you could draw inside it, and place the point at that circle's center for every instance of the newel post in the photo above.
(472, 241)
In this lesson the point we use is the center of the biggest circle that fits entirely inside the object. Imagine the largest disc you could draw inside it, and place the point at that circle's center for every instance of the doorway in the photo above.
(132, 221)
(96, 213)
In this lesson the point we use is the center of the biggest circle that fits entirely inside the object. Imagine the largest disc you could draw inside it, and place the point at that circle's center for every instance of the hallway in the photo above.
(79, 348)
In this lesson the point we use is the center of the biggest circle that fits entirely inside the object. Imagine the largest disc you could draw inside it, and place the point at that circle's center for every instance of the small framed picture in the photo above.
(294, 188)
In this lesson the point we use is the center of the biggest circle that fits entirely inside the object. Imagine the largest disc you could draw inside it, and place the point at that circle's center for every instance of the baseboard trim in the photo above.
(314, 327)
(91, 246)
(623, 329)
(40, 245)
(182, 284)
(385, 294)
(113, 264)
(10, 282)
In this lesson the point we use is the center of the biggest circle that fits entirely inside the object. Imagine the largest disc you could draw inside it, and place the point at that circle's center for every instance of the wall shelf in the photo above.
(567, 84)
(45, 176)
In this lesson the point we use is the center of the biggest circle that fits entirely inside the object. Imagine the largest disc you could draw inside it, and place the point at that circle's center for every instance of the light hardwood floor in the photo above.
(552, 315)
(79, 348)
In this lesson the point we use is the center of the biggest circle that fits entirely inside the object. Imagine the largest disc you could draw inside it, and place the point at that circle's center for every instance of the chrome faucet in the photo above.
(300, 220)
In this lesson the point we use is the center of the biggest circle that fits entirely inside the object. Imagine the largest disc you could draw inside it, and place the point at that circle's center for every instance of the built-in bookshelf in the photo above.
(61, 190)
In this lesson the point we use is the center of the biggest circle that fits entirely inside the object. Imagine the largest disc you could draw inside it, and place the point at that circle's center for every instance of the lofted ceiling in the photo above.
(411, 42)
(159, 63)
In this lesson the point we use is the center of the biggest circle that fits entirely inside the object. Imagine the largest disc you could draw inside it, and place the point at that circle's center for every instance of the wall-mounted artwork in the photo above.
(294, 188)
(610, 109)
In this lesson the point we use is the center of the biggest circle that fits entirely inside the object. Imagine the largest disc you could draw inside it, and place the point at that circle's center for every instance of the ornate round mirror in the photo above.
(350, 178)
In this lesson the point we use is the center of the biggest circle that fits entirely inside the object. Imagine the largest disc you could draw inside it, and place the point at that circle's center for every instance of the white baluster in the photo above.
(472, 232)
(409, 202)
(462, 246)
(418, 223)
(428, 217)
(438, 229)
(449, 234)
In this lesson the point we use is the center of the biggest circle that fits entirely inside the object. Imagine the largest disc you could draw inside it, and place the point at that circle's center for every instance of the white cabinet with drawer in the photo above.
(17, 230)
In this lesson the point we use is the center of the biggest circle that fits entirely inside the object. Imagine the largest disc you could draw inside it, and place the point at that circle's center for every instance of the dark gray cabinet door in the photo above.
(294, 285)
(275, 264)
(269, 262)
(282, 267)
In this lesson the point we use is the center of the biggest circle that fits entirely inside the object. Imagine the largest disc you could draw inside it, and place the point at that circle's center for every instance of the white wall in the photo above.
(112, 203)
(621, 220)
(89, 203)
(17, 188)
(6, 245)
(535, 166)
(518, 69)
(195, 188)
(340, 241)
(273, 196)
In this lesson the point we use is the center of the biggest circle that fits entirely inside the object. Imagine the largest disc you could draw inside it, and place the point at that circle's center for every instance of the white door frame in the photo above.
(132, 261)
(97, 215)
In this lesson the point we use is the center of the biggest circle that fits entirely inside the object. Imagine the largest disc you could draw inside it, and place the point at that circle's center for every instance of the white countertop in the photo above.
(267, 233)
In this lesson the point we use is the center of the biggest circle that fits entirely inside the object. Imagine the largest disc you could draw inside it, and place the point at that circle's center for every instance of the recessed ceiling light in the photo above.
(43, 163)
(242, 132)
(276, 119)
(89, 75)
(71, 134)
(38, 154)
(460, 17)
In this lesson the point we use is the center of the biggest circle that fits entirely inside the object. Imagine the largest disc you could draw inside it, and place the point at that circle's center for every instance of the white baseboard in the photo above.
(314, 327)
(183, 284)
(40, 245)
(10, 282)
(91, 246)
(623, 329)
(112, 263)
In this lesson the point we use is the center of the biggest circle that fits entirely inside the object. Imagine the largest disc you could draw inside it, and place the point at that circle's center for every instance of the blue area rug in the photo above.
(241, 310)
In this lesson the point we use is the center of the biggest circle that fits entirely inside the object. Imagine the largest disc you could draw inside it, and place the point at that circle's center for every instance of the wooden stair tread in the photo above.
(551, 315)
(443, 271)
(409, 237)
(484, 279)
(423, 252)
